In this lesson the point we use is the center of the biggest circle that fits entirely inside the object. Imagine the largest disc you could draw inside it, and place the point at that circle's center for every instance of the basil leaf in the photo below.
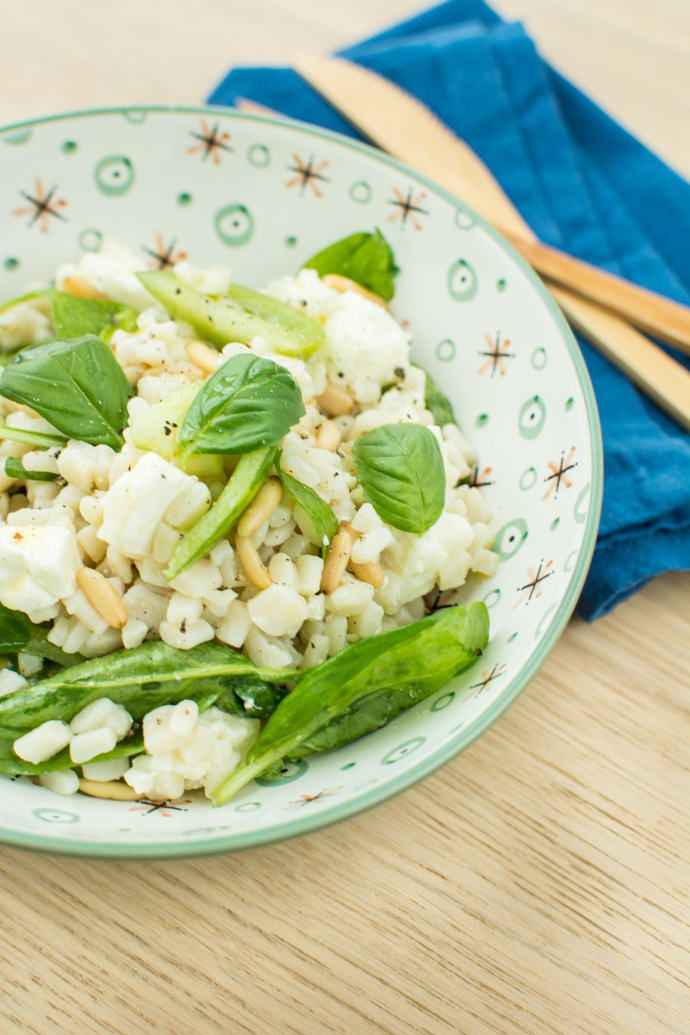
(398, 668)
(435, 401)
(31, 438)
(365, 258)
(74, 317)
(15, 630)
(245, 482)
(317, 510)
(38, 643)
(141, 679)
(15, 469)
(401, 471)
(240, 317)
(249, 403)
(77, 385)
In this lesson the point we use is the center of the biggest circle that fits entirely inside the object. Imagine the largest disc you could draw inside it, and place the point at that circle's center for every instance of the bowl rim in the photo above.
(336, 813)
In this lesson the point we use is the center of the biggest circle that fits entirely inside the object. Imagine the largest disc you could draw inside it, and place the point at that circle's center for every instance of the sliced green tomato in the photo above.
(243, 315)
(246, 480)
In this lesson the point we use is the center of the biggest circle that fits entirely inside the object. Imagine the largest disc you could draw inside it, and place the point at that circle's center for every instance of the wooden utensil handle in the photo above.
(648, 366)
(647, 310)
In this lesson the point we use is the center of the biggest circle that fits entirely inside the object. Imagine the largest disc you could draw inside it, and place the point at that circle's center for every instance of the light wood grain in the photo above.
(539, 884)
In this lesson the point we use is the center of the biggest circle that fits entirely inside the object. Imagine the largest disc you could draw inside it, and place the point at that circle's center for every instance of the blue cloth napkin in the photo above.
(584, 184)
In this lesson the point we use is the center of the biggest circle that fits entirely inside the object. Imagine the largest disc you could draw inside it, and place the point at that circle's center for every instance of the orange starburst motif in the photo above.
(533, 588)
(41, 206)
(407, 208)
(307, 799)
(211, 142)
(488, 677)
(163, 807)
(164, 256)
(496, 354)
(308, 175)
(560, 474)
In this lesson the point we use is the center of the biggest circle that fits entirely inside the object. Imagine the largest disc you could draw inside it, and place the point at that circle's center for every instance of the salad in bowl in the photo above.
(232, 523)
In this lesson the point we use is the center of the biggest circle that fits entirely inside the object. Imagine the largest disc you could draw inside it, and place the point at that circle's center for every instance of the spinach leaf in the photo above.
(77, 385)
(317, 510)
(398, 668)
(400, 469)
(435, 401)
(38, 643)
(241, 316)
(141, 679)
(11, 763)
(247, 404)
(31, 438)
(15, 629)
(15, 469)
(244, 483)
(365, 258)
(250, 698)
(74, 317)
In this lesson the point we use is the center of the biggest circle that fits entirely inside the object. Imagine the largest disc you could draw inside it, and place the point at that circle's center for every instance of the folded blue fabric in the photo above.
(584, 184)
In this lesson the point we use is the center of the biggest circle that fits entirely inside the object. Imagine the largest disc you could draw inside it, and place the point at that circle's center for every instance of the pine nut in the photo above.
(262, 506)
(371, 572)
(114, 789)
(202, 356)
(189, 370)
(252, 563)
(343, 284)
(335, 401)
(156, 371)
(328, 436)
(80, 287)
(337, 559)
(101, 595)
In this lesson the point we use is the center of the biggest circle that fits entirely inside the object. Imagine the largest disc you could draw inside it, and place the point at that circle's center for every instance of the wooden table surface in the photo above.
(540, 883)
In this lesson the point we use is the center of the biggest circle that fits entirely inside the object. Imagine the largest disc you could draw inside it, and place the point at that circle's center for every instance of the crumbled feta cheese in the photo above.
(38, 567)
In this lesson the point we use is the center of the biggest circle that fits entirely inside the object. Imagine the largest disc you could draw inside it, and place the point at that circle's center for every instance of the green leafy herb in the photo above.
(11, 763)
(240, 316)
(247, 404)
(317, 510)
(38, 643)
(382, 676)
(141, 679)
(15, 469)
(246, 480)
(401, 472)
(250, 698)
(365, 258)
(436, 402)
(31, 438)
(74, 317)
(15, 629)
(77, 385)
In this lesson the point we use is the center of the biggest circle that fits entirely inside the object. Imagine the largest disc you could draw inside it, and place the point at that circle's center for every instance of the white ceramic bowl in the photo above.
(261, 195)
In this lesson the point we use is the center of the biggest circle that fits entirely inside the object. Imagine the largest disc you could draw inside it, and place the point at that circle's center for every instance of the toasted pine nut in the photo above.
(101, 595)
(115, 789)
(202, 356)
(252, 563)
(156, 371)
(371, 572)
(337, 559)
(80, 287)
(335, 401)
(328, 436)
(190, 370)
(343, 284)
(262, 506)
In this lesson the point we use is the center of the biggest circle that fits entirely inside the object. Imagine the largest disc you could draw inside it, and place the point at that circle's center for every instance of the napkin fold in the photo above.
(584, 184)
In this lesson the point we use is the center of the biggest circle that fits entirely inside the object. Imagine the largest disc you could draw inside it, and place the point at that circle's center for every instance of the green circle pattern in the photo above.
(114, 175)
(11, 263)
(539, 359)
(361, 192)
(531, 475)
(90, 240)
(445, 350)
(259, 156)
(510, 539)
(295, 770)
(443, 702)
(234, 224)
(532, 417)
(462, 281)
(402, 750)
